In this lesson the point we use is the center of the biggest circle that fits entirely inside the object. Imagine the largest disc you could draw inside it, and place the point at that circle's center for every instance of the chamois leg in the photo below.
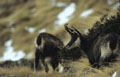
(46, 68)
(45, 65)
(94, 63)
(37, 57)
(101, 62)
(55, 63)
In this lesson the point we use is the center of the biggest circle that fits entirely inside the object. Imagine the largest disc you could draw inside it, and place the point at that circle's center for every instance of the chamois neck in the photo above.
(72, 40)
(84, 43)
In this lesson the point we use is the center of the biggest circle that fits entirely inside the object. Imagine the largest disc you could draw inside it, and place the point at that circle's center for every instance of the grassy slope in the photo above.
(40, 14)
(79, 68)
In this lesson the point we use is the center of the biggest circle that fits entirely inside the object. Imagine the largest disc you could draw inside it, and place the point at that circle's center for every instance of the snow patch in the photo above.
(8, 43)
(42, 30)
(86, 13)
(10, 54)
(30, 29)
(114, 74)
(65, 15)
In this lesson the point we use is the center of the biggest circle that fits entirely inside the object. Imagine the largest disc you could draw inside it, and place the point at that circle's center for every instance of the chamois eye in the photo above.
(71, 30)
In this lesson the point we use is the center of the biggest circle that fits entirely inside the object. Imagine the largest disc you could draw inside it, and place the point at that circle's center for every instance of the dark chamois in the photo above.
(49, 49)
(102, 43)
(102, 49)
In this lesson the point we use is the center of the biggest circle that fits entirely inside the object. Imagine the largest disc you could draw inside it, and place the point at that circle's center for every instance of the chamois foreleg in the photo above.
(55, 63)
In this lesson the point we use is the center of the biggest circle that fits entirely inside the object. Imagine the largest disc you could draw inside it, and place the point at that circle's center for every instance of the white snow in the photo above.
(65, 15)
(42, 30)
(116, 5)
(10, 54)
(8, 43)
(30, 29)
(114, 74)
(86, 13)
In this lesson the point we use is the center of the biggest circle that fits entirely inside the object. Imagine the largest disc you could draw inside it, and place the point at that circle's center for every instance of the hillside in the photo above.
(22, 20)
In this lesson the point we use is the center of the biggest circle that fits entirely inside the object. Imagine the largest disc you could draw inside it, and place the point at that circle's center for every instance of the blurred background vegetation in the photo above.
(22, 20)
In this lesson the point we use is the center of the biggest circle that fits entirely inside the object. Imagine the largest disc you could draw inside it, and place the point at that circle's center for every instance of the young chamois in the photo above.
(99, 50)
(49, 49)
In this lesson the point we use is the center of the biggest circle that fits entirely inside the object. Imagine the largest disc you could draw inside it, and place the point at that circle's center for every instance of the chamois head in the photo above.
(74, 35)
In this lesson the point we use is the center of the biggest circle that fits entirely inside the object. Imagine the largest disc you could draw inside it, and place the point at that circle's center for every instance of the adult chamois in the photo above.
(49, 49)
(101, 49)
(102, 43)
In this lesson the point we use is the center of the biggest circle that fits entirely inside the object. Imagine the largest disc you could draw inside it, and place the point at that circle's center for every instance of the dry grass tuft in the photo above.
(78, 68)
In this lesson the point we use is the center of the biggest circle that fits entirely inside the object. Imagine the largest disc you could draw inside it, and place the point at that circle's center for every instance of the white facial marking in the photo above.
(105, 50)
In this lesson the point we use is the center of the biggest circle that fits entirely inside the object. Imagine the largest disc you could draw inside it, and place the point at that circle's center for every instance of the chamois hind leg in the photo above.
(45, 65)
(37, 57)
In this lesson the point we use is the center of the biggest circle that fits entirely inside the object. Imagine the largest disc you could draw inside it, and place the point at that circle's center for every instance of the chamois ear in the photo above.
(66, 28)
(71, 30)
(74, 35)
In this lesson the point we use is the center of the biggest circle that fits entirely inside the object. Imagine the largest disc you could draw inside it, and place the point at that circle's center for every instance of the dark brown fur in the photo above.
(50, 46)
(95, 48)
